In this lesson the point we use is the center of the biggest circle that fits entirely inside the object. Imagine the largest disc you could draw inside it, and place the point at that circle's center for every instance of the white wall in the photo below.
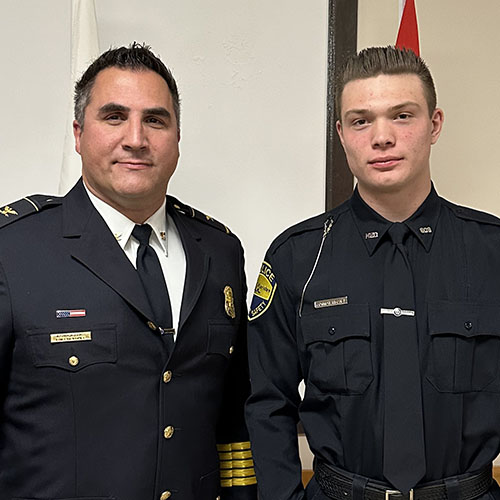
(35, 70)
(252, 77)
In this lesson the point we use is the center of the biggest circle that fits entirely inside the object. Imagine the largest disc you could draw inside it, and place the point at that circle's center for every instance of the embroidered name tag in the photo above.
(55, 338)
(337, 301)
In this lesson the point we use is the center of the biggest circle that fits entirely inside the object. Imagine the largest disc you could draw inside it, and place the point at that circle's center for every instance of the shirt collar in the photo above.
(122, 227)
(158, 221)
(372, 226)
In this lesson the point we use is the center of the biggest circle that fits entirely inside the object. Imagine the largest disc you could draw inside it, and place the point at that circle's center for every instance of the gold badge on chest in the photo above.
(229, 302)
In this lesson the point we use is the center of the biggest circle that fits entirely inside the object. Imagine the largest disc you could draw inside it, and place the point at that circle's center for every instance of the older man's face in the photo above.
(129, 140)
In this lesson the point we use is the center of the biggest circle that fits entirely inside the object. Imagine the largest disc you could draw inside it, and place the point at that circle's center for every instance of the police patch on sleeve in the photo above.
(264, 291)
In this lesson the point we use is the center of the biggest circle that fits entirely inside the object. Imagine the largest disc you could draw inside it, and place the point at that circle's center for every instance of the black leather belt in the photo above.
(338, 484)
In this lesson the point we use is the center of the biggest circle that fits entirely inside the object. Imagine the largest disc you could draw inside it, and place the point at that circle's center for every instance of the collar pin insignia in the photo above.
(425, 230)
(8, 211)
(371, 235)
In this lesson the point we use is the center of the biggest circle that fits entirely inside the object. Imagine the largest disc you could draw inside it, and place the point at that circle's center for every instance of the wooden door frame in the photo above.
(342, 42)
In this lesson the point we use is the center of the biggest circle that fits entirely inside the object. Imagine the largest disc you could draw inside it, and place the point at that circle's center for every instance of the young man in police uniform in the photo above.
(111, 386)
(388, 307)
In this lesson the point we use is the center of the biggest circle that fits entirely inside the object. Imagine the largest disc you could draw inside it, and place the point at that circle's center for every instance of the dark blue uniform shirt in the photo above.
(316, 317)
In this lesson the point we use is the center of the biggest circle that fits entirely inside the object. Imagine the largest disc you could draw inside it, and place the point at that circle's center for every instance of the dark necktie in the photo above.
(404, 454)
(151, 275)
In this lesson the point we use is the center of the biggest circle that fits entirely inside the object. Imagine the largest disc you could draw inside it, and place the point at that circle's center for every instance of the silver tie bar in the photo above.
(397, 311)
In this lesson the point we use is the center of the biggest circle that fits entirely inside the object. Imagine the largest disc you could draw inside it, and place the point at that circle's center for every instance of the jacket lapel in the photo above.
(92, 244)
(197, 263)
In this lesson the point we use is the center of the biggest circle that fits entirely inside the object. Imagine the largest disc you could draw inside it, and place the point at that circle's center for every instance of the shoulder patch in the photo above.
(26, 206)
(472, 214)
(264, 291)
(184, 209)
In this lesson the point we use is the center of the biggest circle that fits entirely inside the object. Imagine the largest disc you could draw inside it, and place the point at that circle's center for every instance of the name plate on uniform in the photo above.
(55, 338)
(337, 301)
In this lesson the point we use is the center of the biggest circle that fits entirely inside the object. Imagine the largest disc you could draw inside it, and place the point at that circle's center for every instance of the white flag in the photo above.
(84, 49)
(401, 9)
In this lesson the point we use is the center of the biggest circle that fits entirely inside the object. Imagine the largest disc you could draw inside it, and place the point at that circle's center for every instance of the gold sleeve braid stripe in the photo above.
(245, 445)
(229, 473)
(244, 481)
(235, 454)
(236, 464)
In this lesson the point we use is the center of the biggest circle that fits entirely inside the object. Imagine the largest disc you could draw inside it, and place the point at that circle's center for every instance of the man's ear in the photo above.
(338, 125)
(77, 133)
(437, 120)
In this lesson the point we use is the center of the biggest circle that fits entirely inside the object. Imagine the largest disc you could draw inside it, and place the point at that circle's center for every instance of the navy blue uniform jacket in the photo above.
(90, 406)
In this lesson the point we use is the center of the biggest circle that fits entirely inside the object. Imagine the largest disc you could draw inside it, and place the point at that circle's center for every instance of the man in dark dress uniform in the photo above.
(388, 308)
(112, 385)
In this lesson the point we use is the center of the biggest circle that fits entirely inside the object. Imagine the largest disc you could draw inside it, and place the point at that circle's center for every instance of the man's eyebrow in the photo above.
(112, 106)
(397, 107)
(355, 112)
(404, 105)
(159, 111)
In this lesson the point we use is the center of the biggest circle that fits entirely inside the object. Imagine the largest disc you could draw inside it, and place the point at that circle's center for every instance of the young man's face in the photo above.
(129, 141)
(387, 133)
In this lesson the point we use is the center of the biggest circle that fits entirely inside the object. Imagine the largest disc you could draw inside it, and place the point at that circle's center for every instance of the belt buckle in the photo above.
(388, 494)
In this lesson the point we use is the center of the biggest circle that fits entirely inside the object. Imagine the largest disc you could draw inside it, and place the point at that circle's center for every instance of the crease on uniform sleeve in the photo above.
(272, 409)
(237, 475)
(243, 280)
(6, 337)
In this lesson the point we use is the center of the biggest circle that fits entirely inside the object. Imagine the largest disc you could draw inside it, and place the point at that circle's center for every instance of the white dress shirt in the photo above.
(164, 239)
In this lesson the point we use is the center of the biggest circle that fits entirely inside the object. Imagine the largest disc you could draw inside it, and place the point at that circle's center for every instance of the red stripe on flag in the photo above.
(408, 29)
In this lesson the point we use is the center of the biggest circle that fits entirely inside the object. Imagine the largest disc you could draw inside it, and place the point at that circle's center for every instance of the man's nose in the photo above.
(135, 135)
(383, 134)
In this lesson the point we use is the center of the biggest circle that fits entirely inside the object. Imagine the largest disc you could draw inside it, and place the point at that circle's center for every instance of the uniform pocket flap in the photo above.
(221, 337)
(73, 350)
(336, 323)
(466, 319)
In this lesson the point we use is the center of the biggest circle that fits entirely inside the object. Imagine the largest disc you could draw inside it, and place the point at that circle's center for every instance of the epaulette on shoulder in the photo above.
(323, 222)
(184, 209)
(26, 206)
(472, 214)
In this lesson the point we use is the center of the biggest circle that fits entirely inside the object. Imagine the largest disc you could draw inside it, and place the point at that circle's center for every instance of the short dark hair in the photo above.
(389, 60)
(136, 57)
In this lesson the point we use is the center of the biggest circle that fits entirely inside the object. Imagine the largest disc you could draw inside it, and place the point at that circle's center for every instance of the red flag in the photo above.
(408, 28)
